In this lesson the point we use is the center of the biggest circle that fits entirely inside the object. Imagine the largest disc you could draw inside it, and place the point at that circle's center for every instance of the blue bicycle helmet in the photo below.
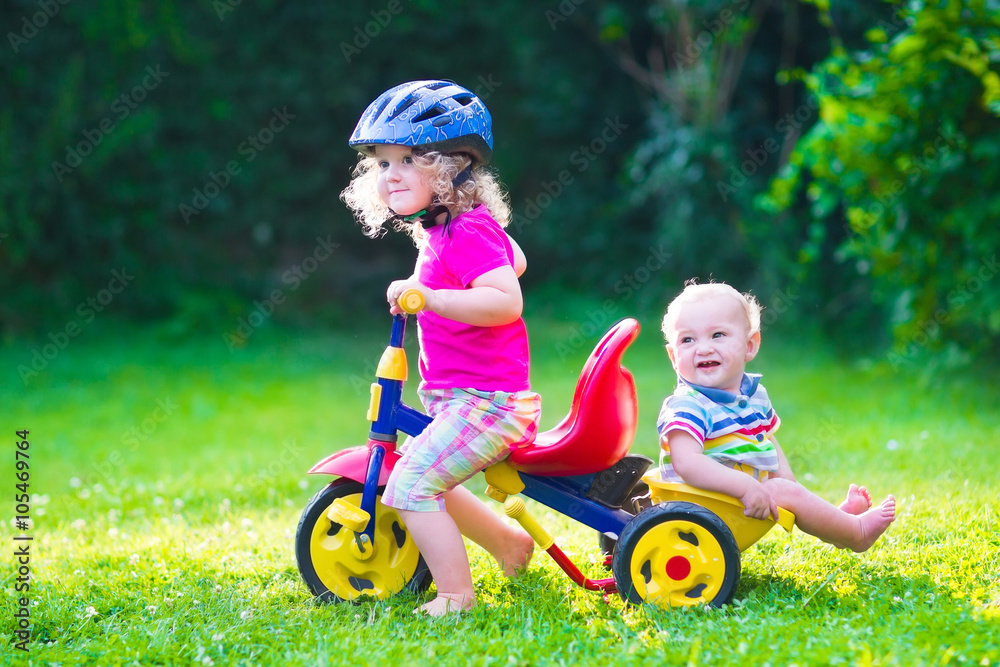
(440, 115)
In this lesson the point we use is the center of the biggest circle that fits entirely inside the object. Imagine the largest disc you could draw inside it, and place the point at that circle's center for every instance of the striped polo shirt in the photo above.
(734, 429)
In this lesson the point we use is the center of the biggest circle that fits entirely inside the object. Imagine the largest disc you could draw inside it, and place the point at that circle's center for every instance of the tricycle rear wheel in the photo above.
(676, 554)
(329, 560)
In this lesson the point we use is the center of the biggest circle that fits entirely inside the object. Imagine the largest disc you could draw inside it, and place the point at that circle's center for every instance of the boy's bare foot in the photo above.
(447, 603)
(874, 522)
(517, 553)
(858, 500)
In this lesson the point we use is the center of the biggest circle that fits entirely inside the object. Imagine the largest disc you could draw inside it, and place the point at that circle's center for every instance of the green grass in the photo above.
(173, 543)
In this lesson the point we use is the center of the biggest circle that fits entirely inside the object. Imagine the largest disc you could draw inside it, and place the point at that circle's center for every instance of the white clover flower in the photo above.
(90, 612)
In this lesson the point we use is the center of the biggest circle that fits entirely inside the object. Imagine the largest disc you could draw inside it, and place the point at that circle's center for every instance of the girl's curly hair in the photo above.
(439, 171)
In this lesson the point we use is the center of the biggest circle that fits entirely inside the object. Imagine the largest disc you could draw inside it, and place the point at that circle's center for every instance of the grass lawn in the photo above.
(167, 479)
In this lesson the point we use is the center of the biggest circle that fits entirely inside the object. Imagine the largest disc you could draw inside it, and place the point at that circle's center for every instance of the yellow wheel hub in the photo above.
(350, 570)
(678, 563)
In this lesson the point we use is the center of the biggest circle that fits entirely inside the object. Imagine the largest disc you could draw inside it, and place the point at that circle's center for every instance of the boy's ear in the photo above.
(670, 353)
(753, 345)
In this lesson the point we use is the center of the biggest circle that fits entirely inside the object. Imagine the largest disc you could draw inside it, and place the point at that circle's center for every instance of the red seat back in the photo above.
(601, 423)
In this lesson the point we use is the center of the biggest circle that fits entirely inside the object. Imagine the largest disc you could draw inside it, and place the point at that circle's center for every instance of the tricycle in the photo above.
(666, 544)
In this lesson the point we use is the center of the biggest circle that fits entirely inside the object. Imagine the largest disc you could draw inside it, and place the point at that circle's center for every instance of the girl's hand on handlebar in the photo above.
(397, 287)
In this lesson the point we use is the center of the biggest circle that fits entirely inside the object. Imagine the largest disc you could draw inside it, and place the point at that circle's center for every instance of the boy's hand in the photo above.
(758, 503)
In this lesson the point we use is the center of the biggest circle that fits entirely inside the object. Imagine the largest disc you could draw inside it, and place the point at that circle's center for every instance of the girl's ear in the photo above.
(753, 345)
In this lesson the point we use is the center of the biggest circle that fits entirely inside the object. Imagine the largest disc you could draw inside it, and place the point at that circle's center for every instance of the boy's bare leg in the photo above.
(829, 523)
(509, 545)
(441, 545)
(858, 500)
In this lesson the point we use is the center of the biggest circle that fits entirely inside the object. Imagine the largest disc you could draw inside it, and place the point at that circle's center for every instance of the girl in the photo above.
(423, 148)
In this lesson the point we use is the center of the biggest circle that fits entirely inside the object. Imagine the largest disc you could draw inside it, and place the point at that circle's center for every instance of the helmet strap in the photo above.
(462, 177)
(428, 217)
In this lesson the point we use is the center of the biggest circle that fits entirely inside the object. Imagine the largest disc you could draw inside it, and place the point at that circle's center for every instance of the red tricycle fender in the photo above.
(352, 463)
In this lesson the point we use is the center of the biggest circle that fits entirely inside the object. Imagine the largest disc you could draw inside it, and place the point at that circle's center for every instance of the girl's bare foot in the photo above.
(858, 500)
(517, 552)
(874, 522)
(447, 603)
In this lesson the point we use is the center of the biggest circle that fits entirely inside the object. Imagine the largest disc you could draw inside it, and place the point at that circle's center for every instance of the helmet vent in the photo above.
(403, 107)
(464, 100)
(378, 112)
(433, 112)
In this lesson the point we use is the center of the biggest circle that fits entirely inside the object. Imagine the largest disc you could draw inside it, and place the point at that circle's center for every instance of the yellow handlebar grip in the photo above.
(411, 301)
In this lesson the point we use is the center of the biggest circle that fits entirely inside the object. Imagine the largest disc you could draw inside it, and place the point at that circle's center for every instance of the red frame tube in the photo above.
(563, 561)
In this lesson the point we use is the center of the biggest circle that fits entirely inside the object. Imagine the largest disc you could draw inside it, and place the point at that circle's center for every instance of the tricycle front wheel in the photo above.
(333, 566)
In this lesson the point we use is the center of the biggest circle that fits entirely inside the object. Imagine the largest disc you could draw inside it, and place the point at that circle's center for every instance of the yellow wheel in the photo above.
(676, 554)
(336, 568)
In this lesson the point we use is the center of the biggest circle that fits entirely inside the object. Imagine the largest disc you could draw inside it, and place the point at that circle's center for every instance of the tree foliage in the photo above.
(202, 147)
(896, 183)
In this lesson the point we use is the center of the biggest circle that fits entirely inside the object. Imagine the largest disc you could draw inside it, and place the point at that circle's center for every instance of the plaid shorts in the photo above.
(471, 430)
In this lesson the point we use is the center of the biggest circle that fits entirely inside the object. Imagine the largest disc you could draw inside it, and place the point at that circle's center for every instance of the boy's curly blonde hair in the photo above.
(438, 170)
(696, 292)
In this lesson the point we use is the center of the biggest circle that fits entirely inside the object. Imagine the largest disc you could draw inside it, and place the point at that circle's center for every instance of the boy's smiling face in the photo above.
(711, 343)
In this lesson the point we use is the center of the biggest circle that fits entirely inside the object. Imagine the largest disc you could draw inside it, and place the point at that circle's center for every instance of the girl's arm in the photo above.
(700, 470)
(520, 261)
(491, 300)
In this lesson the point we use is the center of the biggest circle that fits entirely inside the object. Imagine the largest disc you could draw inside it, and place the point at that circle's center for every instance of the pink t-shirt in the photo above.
(463, 356)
